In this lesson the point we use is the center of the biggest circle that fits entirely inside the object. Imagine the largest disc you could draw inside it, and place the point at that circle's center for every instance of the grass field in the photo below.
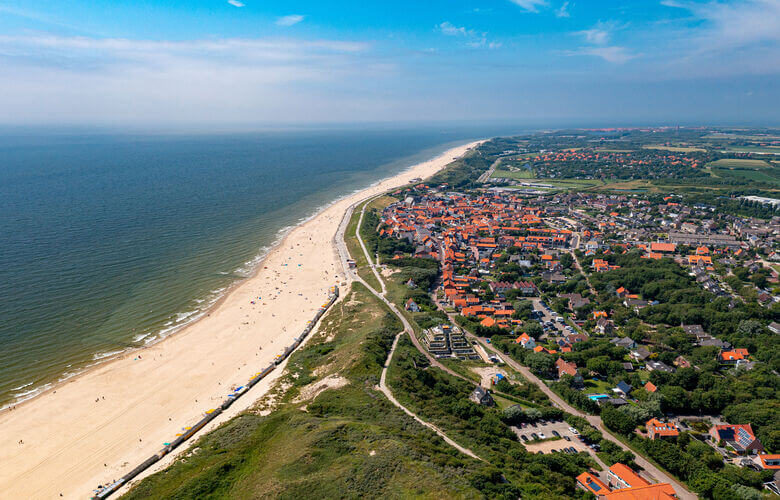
(676, 149)
(556, 183)
(345, 442)
(746, 174)
(738, 163)
(517, 174)
(754, 149)
(746, 137)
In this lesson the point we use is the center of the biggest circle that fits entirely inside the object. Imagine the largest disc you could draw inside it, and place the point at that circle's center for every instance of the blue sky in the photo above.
(250, 61)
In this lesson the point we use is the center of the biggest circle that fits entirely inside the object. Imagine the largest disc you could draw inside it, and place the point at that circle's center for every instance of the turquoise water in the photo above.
(110, 241)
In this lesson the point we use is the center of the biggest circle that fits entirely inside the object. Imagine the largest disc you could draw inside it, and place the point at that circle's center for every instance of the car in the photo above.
(555, 433)
(541, 435)
(533, 435)
(524, 437)
(573, 430)
(567, 438)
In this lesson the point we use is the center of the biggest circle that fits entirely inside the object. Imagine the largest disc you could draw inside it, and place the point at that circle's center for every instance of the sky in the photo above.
(250, 62)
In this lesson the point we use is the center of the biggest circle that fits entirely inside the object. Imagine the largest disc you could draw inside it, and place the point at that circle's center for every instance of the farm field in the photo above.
(738, 163)
(675, 149)
(770, 150)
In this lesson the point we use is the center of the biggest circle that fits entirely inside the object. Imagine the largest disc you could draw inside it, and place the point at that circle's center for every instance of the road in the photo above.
(682, 492)
(341, 248)
(386, 390)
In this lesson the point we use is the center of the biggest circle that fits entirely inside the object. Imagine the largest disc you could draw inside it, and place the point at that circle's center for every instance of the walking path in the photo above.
(344, 257)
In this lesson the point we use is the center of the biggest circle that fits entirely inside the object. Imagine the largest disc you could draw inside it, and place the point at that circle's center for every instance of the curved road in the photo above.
(341, 248)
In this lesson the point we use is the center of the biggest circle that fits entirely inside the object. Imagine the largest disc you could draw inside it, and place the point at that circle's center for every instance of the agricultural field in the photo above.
(676, 149)
(769, 150)
(744, 170)
(738, 163)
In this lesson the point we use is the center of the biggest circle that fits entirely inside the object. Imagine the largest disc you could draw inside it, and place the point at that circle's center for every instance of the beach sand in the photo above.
(96, 427)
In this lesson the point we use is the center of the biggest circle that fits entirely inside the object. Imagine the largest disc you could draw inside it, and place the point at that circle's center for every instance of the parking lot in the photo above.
(547, 430)
(547, 318)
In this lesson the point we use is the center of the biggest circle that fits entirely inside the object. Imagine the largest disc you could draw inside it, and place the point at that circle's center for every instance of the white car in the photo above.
(541, 435)
(573, 430)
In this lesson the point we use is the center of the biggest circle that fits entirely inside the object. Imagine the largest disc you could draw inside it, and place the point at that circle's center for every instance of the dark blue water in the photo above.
(108, 241)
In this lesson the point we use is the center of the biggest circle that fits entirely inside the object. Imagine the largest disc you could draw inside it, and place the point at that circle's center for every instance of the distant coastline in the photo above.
(142, 398)
(45, 378)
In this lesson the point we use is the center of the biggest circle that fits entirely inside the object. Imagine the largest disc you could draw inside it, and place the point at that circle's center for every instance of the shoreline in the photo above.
(45, 455)
(254, 264)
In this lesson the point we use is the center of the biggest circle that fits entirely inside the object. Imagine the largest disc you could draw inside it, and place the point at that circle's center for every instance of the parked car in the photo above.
(533, 435)
(524, 437)
(541, 435)
(573, 430)
(555, 433)
(567, 438)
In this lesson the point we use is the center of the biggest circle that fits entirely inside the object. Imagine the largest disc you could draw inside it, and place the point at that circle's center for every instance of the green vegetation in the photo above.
(443, 400)
(344, 442)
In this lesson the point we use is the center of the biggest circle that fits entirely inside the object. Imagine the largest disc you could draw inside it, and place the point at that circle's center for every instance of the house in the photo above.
(624, 484)
(769, 461)
(658, 366)
(527, 288)
(639, 354)
(624, 342)
(620, 476)
(604, 326)
(774, 327)
(622, 389)
(657, 429)
(695, 330)
(629, 367)
(526, 341)
(650, 387)
(589, 482)
(739, 437)
(565, 368)
(411, 305)
(481, 397)
(733, 357)
(714, 342)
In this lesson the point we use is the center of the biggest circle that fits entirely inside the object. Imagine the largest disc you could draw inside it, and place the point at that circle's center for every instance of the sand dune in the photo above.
(96, 427)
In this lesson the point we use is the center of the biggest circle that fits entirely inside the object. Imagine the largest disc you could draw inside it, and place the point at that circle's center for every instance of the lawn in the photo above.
(597, 387)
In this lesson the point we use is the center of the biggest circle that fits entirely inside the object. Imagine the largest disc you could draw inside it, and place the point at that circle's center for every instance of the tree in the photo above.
(540, 363)
(617, 420)
(750, 327)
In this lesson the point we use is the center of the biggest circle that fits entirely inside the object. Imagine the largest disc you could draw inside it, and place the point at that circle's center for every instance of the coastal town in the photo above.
(655, 310)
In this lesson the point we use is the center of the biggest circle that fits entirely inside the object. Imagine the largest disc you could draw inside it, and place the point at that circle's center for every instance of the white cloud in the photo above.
(236, 3)
(49, 79)
(596, 36)
(289, 20)
(530, 5)
(563, 10)
(450, 29)
(474, 39)
(741, 37)
(613, 54)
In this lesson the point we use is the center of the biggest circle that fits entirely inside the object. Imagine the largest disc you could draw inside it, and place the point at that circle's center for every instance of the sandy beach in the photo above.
(97, 426)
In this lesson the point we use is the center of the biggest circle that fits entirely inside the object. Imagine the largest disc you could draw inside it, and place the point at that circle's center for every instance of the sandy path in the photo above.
(98, 426)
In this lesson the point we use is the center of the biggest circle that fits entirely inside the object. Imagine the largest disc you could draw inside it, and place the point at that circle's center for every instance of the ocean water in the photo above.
(109, 241)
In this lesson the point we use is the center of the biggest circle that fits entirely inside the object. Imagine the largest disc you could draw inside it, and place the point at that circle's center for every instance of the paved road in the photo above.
(594, 420)
(341, 248)
(682, 492)
(386, 390)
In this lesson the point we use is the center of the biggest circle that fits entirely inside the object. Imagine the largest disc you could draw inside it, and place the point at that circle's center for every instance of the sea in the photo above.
(112, 240)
